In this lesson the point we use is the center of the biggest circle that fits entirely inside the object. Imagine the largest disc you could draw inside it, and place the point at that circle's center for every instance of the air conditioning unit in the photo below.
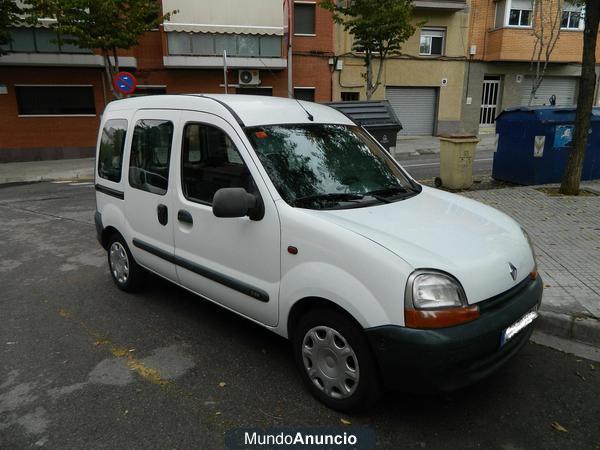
(249, 77)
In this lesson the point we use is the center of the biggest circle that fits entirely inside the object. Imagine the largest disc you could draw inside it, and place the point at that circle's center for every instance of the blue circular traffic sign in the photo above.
(124, 82)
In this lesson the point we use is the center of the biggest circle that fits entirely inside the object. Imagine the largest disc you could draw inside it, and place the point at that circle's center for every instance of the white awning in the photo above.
(225, 16)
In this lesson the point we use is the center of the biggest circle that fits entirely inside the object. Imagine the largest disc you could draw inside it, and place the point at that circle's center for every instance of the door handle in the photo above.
(185, 216)
(163, 214)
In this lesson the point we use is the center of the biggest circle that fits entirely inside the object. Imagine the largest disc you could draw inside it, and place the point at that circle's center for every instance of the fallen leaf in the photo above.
(345, 421)
(558, 427)
(222, 384)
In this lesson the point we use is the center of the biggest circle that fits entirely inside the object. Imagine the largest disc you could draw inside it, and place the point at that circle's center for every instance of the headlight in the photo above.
(430, 290)
(435, 300)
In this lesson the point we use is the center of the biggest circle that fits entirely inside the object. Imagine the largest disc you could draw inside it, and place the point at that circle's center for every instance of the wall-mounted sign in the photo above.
(125, 83)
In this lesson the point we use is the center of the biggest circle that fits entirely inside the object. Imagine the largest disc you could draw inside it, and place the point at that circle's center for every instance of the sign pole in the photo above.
(289, 55)
(225, 69)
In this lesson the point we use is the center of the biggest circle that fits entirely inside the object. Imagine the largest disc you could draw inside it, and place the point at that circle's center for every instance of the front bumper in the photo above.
(454, 357)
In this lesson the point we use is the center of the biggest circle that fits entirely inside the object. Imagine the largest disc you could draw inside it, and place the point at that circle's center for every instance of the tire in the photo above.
(339, 349)
(126, 273)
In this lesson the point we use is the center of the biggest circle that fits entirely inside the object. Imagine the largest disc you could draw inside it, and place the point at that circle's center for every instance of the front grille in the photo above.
(497, 301)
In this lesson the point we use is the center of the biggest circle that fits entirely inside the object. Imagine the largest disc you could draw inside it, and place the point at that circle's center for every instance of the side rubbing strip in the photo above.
(154, 251)
(112, 192)
(217, 277)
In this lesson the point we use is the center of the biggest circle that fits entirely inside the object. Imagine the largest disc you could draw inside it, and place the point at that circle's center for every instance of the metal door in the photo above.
(563, 88)
(489, 100)
(415, 107)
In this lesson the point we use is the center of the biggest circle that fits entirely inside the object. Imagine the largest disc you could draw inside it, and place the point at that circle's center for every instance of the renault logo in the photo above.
(513, 271)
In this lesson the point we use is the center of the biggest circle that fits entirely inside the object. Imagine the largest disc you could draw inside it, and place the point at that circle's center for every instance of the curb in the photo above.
(585, 330)
(62, 176)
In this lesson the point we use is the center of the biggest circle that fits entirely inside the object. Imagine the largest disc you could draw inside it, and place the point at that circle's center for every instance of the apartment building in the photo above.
(425, 83)
(501, 44)
(52, 96)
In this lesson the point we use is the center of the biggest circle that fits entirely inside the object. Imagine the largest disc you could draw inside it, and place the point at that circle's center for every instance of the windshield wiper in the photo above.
(385, 195)
(387, 192)
(341, 196)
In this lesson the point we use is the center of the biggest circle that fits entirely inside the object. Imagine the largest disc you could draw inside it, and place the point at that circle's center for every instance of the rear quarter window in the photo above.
(112, 143)
(150, 155)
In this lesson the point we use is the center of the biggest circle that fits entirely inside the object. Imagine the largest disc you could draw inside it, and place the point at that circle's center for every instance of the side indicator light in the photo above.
(292, 250)
(441, 318)
(533, 275)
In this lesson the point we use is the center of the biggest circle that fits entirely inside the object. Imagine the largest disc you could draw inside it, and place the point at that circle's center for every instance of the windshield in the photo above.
(326, 166)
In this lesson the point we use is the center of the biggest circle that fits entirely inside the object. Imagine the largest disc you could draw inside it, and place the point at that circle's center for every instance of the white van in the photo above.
(291, 215)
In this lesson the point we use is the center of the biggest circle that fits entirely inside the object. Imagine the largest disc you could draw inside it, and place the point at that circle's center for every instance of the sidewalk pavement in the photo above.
(430, 145)
(64, 169)
(565, 231)
(566, 236)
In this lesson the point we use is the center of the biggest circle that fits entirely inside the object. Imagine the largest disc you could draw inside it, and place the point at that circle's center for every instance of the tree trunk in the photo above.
(369, 64)
(585, 100)
(108, 74)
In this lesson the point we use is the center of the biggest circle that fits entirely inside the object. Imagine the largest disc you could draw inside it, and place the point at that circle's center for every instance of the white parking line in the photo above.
(437, 163)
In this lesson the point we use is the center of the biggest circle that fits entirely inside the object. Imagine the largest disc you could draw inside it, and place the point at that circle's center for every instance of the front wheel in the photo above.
(125, 272)
(335, 361)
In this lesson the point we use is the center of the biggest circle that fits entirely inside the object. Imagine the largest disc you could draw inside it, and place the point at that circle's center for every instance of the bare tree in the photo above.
(547, 18)
(585, 100)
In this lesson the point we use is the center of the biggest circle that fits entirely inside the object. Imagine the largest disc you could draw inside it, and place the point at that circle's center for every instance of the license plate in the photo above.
(516, 327)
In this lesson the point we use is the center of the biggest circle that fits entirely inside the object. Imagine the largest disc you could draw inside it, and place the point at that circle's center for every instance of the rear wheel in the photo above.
(126, 273)
(335, 361)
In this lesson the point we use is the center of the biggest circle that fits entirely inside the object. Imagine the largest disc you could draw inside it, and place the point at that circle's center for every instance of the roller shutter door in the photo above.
(415, 107)
(565, 89)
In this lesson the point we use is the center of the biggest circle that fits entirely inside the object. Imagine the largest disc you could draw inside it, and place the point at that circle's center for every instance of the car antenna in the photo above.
(309, 115)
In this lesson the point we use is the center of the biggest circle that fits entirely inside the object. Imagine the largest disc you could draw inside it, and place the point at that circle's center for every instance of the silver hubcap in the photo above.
(330, 362)
(119, 263)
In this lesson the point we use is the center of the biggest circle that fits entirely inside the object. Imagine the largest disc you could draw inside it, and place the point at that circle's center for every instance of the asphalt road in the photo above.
(425, 167)
(84, 365)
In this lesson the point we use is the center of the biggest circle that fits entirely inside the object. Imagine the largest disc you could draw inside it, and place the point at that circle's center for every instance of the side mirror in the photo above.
(236, 202)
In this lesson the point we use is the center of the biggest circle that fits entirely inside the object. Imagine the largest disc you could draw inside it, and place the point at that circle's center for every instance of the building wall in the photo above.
(507, 52)
(510, 88)
(516, 44)
(27, 138)
(52, 137)
(310, 65)
(412, 70)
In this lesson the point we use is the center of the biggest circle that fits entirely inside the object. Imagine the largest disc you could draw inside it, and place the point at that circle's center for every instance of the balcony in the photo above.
(447, 5)
(516, 44)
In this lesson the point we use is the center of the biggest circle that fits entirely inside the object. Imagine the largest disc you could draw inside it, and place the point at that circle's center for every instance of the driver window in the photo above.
(210, 161)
